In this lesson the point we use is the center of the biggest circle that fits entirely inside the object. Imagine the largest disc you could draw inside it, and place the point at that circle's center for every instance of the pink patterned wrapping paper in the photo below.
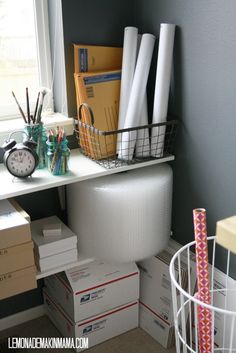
(203, 280)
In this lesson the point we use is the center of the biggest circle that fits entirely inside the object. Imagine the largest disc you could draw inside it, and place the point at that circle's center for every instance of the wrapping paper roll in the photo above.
(137, 95)
(203, 281)
(122, 217)
(162, 86)
(128, 67)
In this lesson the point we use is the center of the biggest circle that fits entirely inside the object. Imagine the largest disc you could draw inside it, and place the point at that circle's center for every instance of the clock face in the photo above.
(21, 162)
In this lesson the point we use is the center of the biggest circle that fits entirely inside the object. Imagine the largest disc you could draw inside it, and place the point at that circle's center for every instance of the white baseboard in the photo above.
(21, 317)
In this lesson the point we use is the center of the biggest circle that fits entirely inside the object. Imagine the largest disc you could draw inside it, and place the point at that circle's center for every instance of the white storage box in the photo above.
(156, 327)
(47, 246)
(90, 289)
(155, 284)
(98, 328)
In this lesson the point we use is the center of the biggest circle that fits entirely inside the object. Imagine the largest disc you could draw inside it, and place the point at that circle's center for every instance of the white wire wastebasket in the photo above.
(186, 305)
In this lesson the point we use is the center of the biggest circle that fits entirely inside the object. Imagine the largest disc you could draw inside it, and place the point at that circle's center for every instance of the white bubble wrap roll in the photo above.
(122, 217)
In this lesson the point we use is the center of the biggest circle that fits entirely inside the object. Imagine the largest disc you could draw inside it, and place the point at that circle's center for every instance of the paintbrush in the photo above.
(36, 108)
(27, 104)
(43, 92)
(21, 111)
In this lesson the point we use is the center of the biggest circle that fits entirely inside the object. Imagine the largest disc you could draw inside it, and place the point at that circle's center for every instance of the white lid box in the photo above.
(46, 246)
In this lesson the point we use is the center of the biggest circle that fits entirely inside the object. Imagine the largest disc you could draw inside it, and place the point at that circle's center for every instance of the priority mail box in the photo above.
(96, 328)
(14, 228)
(156, 327)
(16, 282)
(16, 257)
(90, 289)
(224, 290)
(155, 283)
(93, 58)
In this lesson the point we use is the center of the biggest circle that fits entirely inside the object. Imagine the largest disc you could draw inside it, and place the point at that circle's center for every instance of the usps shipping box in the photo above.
(156, 327)
(224, 290)
(93, 288)
(155, 282)
(97, 328)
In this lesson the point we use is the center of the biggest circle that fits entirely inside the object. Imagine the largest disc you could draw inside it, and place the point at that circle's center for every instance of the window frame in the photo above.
(44, 60)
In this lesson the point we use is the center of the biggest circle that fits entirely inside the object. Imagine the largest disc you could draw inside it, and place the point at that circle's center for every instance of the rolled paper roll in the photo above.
(128, 67)
(162, 86)
(203, 280)
(137, 95)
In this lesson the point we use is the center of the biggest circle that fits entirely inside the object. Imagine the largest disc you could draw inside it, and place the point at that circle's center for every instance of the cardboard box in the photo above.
(53, 261)
(97, 328)
(19, 209)
(93, 58)
(16, 282)
(16, 257)
(14, 228)
(101, 91)
(47, 246)
(93, 288)
(155, 283)
(224, 298)
(156, 327)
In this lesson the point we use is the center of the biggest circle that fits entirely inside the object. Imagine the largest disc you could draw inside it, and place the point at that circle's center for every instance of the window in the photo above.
(24, 54)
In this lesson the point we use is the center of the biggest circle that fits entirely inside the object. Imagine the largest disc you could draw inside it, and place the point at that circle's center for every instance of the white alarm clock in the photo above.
(20, 159)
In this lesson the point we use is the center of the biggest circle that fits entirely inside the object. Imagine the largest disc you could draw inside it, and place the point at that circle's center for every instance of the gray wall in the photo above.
(204, 97)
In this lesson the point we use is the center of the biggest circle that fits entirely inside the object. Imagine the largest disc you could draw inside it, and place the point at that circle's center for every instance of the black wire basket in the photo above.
(116, 148)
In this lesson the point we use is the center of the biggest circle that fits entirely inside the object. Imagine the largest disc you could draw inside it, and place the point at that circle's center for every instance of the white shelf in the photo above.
(81, 261)
(81, 168)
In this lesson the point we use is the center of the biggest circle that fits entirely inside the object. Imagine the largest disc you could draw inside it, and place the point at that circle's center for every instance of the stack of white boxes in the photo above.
(53, 246)
(156, 310)
(97, 300)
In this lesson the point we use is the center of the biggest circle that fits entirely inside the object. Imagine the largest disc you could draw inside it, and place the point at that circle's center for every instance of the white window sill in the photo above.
(56, 119)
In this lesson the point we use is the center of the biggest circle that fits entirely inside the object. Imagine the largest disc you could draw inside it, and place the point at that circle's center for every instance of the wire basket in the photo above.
(222, 310)
(115, 148)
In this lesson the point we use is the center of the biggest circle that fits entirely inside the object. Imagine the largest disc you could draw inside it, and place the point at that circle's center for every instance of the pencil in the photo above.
(27, 103)
(19, 107)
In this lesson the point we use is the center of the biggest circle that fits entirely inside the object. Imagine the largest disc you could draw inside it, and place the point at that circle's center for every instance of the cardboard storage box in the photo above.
(93, 288)
(96, 58)
(16, 282)
(156, 327)
(16, 257)
(97, 328)
(14, 228)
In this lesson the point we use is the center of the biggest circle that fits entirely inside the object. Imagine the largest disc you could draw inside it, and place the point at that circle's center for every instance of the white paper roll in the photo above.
(137, 94)
(142, 148)
(162, 86)
(122, 217)
(127, 73)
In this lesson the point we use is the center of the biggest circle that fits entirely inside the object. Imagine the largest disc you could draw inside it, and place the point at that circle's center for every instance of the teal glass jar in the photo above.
(58, 155)
(38, 134)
